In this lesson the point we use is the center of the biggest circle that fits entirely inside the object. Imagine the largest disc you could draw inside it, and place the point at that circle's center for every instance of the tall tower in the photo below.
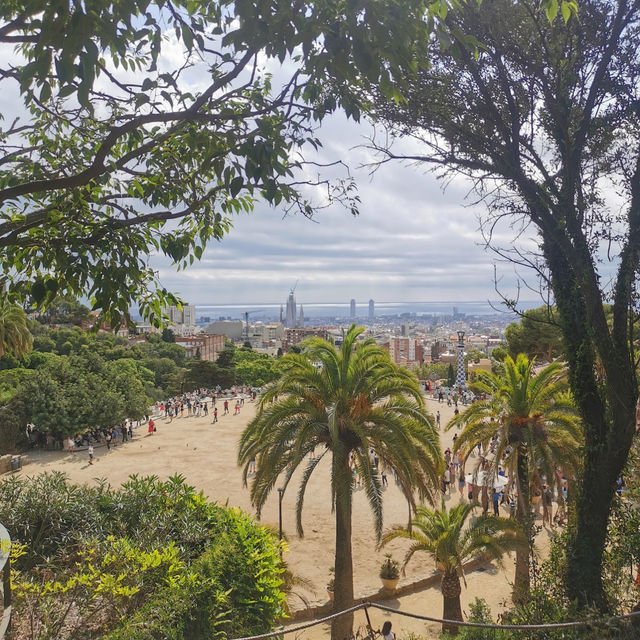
(461, 378)
(290, 318)
(352, 311)
(372, 310)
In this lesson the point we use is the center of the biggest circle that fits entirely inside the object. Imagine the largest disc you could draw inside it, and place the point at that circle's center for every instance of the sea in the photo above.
(271, 311)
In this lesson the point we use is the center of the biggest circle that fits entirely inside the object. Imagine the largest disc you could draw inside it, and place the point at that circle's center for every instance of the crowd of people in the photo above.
(198, 403)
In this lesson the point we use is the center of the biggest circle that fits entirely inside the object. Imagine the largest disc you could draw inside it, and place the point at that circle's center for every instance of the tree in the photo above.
(451, 376)
(537, 334)
(15, 337)
(168, 335)
(543, 117)
(120, 155)
(202, 373)
(452, 541)
(537, 427)
(355, 400)
(255, 369)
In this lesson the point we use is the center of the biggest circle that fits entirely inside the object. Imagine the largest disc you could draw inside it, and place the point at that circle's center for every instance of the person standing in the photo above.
(547, 505)
(226, 408)
(215, 415)
(496, 502)
(90, 451)
(152, 427)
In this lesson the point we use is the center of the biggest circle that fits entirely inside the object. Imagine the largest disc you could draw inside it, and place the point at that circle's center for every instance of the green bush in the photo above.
(177, 565)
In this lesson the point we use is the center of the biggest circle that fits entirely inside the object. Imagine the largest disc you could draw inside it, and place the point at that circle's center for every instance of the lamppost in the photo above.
(461, 378)
(280, 494)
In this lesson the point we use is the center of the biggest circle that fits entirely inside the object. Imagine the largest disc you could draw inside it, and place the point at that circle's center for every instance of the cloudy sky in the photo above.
(411, 242)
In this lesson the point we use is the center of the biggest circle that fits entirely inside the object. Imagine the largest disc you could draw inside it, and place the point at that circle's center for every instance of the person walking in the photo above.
(461, 483)
(547, 506)
(226, 408)
(215, 415)
(90, 451)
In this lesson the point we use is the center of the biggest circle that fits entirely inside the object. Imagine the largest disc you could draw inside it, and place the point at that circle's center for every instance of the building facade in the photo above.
(298, 334)
(206, 346)
(404, 351)
(232, 329)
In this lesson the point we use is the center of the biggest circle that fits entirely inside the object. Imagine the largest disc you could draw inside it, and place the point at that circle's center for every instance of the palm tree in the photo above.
(15, 337)
(345, 401)
(537, 428)
(442, 534)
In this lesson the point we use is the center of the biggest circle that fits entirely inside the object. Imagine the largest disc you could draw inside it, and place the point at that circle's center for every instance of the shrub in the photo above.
(152, 559)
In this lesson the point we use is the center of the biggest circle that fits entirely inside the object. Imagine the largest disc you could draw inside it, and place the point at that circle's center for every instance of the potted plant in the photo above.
(389, 573)
(331, 583)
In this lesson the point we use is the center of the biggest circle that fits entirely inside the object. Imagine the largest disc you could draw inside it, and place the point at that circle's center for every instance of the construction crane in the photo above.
(246, 323)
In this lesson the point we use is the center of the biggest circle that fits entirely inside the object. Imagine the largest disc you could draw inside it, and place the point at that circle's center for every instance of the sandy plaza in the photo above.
(206, 455)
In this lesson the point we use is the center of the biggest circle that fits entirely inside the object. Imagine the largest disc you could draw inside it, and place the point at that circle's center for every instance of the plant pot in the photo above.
(389, 584)
(330, 594)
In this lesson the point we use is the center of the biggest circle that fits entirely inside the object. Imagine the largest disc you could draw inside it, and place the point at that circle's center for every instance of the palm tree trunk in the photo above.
(451, 610)
(523, 516)
(342, 627)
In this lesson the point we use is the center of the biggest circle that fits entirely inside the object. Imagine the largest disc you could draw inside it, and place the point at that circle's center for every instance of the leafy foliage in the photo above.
(537, 428)
(532, 116)
(151, 559)
(537, 334)
(343, 402)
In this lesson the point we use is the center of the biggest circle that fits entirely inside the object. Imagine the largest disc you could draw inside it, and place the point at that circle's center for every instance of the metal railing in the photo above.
(371, 633)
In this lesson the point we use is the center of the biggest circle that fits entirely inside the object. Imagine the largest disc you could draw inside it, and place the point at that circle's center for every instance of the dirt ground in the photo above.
(205, 454)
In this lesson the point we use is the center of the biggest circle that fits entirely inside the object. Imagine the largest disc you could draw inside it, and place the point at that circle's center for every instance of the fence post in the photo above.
(366, 613)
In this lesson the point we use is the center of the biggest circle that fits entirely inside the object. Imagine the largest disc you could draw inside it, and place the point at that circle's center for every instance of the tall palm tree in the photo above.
(344, 401)
(537, 427)
(15, 337)
(443, 535)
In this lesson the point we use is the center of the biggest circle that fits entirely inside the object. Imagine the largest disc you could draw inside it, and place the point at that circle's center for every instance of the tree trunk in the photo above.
(451, 589)
(521, 583)
(342, 627)
(608, 420)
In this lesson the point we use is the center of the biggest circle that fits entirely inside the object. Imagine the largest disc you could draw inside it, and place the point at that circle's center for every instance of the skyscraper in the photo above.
(352, 313)
(372, 310)
(290, 319)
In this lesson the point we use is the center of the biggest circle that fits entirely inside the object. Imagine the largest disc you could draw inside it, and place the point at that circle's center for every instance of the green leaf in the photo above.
(45, 93)
(551, 9)
(236, 185)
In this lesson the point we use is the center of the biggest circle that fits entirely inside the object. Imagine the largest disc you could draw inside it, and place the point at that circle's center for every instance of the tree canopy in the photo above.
(543, 116)
(145, 127)
(537, 334)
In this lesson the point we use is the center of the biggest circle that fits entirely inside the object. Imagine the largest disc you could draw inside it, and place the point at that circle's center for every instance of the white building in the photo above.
(182, 320)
